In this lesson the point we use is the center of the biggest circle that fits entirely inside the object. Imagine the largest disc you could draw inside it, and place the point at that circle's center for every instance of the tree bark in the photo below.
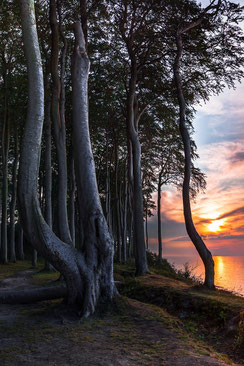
(191, 230)
(72, 201)
(61, 255)
(98, 245)
(59, 126)
(138, 234)
(14, 197)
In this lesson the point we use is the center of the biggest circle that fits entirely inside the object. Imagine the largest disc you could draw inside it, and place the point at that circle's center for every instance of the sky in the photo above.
(218, 213)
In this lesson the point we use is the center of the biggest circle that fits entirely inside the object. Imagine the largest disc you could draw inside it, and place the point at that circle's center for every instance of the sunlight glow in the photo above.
(216, 225)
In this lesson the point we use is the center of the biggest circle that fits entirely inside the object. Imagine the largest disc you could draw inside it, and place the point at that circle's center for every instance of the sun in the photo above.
(216, 225)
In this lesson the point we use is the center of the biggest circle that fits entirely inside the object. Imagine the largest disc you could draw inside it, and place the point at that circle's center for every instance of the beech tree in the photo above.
(88, 272)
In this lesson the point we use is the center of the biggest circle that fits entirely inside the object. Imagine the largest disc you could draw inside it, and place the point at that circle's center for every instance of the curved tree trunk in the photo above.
(97, 242)
(191, 230)
(88, 275)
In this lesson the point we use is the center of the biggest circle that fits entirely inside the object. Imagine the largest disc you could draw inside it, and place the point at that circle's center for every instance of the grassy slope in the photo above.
(197, 321)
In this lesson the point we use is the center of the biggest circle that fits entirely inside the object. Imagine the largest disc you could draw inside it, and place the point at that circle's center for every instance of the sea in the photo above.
(229, 271)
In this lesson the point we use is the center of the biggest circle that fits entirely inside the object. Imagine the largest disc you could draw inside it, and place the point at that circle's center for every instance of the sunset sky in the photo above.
(219, 213)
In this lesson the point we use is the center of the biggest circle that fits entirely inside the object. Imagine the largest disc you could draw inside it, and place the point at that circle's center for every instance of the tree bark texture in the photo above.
(190, 227)
(58, 118)
(61, 255)
(98, 245)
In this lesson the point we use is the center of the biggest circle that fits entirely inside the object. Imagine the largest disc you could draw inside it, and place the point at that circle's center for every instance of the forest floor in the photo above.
(136, 333)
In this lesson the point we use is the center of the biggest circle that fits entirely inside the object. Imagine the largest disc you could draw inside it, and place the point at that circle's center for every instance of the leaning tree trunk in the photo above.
(191, 230)
(14, 197)
(98, 245)
(86, 283)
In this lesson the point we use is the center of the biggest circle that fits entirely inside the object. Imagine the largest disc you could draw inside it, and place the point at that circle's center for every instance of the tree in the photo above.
(88, 272)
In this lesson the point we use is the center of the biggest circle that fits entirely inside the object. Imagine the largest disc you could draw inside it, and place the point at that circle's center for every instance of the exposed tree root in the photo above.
(29, 296)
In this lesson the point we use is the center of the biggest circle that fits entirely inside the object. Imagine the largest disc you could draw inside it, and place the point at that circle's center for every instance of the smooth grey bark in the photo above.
(201, 248)
(61, 255)
(58, 117)
(32, 295)
(117, 208)
(97, 242)
(14, 197)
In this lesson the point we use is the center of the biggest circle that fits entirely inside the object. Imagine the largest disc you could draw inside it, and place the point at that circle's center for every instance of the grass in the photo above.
(10, 269)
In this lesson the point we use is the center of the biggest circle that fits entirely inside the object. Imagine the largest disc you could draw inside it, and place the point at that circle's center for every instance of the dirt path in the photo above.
(48, 334)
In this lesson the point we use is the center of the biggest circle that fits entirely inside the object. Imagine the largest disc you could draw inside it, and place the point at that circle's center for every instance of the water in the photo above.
(229, 271)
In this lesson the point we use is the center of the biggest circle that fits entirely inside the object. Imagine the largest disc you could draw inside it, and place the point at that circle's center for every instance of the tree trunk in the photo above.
(5, 150)
(125, 211)
(98, 245)
(64, 257)
(14, 197)
(47, 185)
(72, 201)
(191, 230)
(146, 227)
(19, 243)
(159, 220)
(138, 237)
(59, 126)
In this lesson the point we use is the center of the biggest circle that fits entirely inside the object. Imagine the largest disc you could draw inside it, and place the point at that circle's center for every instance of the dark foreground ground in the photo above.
(137, 333)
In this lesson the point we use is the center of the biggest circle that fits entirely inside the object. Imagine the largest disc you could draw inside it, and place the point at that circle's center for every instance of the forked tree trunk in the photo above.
(88, 274)
(191, 230)
(98, 245)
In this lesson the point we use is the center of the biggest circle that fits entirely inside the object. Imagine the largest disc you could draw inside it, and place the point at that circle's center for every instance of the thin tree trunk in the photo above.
(48, 162)
(59, 126)
(5, 150)
(138, 237)
(125, 211)
(19, 243)
(72, 201)
(191, 230)
(146, 226)
(14, 197)
(159, 219)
